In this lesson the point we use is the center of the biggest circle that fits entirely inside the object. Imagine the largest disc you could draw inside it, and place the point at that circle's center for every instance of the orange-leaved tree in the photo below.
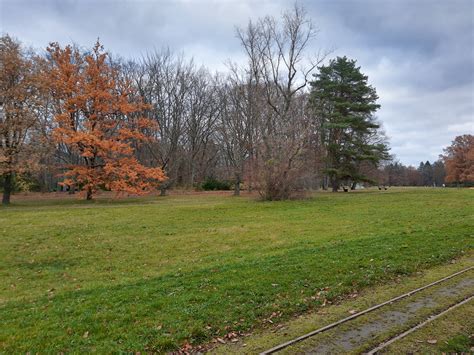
(20, 100)
(459, 159)
(99, 120)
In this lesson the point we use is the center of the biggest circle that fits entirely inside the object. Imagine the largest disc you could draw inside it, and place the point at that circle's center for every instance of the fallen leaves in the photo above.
(279, 327)
(231, 335)
(186, 348)
(277, 314)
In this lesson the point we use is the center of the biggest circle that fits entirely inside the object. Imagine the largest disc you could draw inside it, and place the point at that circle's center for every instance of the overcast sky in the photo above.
(419, 55)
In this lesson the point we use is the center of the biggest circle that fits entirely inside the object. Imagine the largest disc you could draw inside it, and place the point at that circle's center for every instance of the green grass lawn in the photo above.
(155, 273)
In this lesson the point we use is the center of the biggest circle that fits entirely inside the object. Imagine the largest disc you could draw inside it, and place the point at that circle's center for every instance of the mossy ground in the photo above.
(452, 333)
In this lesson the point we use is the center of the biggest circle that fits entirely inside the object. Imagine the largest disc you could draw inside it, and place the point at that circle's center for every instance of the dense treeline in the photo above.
(84, 120)
(454, 168)
(427, 174)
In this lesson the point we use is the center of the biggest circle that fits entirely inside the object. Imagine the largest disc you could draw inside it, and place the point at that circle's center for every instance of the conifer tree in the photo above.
(344, 105)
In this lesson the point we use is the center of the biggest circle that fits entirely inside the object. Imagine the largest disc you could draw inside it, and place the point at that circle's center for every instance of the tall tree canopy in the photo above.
(459, 159)
(426, 173)
(279, 70)
(344, 106)
(19, 101)
(100, 121)
(439, 173)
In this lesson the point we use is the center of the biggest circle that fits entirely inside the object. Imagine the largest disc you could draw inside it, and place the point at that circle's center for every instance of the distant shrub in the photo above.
(212, 184)
(462, 184)
(22, 183)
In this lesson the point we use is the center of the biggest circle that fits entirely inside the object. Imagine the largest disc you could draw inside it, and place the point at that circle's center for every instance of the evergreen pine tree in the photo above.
(344, 106)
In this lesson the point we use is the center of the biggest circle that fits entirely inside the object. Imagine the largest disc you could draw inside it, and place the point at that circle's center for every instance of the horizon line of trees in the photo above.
(282, 123)
(426, 174)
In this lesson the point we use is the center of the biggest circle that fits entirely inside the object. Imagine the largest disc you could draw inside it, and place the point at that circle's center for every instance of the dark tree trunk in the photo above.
(7, 188)
(353, 186)
(335, 184)
(166, 185)
(163, 191)
(89, 194)
(237, 185)
(325, 182)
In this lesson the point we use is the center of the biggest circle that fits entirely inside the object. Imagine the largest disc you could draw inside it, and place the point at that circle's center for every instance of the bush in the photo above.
(461, 184)
(212, 184)
(22, 183)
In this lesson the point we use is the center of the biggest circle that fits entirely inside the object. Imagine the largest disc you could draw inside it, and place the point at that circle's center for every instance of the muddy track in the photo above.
(384, 321)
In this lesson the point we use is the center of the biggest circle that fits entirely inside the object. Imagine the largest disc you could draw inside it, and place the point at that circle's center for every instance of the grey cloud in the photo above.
(418, 54)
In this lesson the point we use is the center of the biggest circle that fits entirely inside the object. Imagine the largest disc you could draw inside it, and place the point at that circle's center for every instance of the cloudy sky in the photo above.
(419, 54)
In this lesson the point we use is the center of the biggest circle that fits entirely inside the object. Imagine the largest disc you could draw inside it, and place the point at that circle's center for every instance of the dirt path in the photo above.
(366, 332)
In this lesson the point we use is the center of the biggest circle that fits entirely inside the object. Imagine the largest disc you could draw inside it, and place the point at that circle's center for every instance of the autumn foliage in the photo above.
(99, 119)
(91, 122)
(459, 159)
(20, 89)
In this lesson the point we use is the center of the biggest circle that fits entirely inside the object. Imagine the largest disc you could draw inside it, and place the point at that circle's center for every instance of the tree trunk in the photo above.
(163, 191)
(325, 183)
(335, 184)
(250, 172)
(192, 171)
(7, 188)
(89, 194)
(237, 185)
(353, 186)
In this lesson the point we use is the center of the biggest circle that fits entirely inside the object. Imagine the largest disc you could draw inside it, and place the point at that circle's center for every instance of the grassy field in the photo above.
(156, 273)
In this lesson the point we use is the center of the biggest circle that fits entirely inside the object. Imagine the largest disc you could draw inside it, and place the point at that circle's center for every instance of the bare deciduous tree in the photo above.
(164, 81)
(200, 121)
(278, 63)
